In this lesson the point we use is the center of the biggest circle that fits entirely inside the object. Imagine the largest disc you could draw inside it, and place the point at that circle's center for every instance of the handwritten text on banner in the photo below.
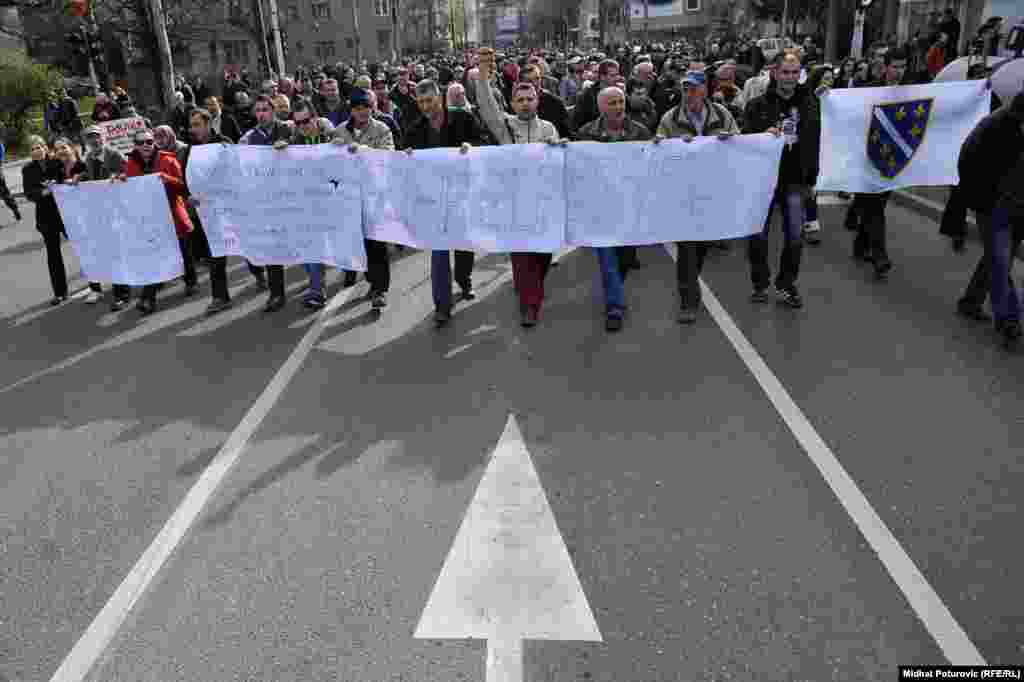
(301, 205)
(121, 232)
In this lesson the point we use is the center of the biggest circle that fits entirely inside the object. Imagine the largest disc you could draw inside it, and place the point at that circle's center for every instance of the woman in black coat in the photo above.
(38, 177)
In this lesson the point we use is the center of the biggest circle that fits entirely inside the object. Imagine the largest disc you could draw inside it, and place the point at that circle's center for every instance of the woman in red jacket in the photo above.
(143, 160)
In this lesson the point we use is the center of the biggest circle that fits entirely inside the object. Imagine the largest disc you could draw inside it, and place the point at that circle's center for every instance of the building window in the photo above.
(292, 12)
(383, 40)
(380, 8)
(236, 51)
(692, 5)
(325, 49)
(321, 10)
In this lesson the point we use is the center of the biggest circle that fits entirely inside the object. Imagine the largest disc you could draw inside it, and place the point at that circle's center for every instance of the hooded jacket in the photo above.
(800, 165)
(989, 154)
(166, 166)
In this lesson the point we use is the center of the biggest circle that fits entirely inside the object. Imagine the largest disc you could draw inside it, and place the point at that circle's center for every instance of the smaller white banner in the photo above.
(300, 205)
(641, 193)
(121, 232)
(493, 199)
(120, 133)
(880, 139)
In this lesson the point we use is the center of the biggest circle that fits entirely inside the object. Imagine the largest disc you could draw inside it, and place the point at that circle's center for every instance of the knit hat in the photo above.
(359, 98)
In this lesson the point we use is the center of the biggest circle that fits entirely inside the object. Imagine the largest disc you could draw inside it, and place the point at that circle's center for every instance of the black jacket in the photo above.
(458, 127)
(989, 153)
(800, 163)
(551, 108)
(33, 175)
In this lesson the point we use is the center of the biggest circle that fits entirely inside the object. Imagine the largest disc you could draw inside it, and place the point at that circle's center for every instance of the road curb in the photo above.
(933, 210)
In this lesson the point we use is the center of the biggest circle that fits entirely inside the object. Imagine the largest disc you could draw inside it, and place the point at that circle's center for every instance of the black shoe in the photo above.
(146, 307)
(789, 296)
(467, 294)
(528, 316)
(274, 303)
(217, 305)
(687, 314)
(613, 322)
(17, 215)
(442, 318)
(378, 300)
(972, 311)
(1009, 330)
(261, 281)
(760, 296)
(118, 304)
(191, 289)
(882, 266)
(350, 279)
(57, 300)
(959, 244)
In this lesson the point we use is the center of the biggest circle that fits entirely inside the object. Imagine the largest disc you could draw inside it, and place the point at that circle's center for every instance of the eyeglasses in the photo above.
(145, 143)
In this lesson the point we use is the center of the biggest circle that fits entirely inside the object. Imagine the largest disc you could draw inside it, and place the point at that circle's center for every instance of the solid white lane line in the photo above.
(923, 599)
(105, 626)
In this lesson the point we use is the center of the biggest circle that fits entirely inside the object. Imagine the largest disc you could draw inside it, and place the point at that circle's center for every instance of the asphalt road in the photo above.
(707, 543)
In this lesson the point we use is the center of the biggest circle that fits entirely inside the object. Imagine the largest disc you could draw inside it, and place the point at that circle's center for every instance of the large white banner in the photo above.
(879, 139)
(656, 8)
(642, 193)
(121, 232)
(493, 199)
(300, 205)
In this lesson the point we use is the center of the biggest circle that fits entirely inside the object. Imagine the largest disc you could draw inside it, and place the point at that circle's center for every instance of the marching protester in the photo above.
(101, 162)
(222, 122)
(268, 132)
(792, 110)
(440, 126)
(5, 191)
(145, 159)
(819, 76)
(586, 106)
(695, 116)
(867, 212)
(38, 178)
(528, 269)
(613, 125)
(363, 130)
(991, 169)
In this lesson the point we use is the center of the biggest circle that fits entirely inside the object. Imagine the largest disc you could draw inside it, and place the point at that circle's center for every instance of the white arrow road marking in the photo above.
(101, 631)
(508, 576)
(926, 603)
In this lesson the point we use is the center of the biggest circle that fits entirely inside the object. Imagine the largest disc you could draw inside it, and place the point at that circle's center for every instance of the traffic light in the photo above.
(77, 8)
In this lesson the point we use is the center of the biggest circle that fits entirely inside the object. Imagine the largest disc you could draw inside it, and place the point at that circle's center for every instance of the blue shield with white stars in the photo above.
(895, 134)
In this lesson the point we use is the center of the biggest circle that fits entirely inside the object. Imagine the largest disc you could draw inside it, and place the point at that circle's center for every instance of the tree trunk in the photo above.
(163, 52)
(832, 33)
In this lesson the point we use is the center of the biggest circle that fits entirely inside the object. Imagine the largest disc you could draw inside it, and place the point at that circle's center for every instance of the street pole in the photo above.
(263, 36)
(857, 44)
(832, 32)
(156, 12)
(647, 17)
(275, 28)
(785, 18)
(395, 42)
(355, 32)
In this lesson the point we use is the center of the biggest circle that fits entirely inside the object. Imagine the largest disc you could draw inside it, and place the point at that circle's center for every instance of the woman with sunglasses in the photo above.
(145, 159)
(38, 178)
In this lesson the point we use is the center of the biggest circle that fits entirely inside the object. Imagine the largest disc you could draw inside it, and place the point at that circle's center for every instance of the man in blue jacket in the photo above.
(5, 192)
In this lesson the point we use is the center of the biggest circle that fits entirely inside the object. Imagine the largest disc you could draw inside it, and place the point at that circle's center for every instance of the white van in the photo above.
(772, 46)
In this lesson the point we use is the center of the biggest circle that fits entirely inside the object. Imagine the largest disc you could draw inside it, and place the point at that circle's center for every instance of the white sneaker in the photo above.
(93, 298)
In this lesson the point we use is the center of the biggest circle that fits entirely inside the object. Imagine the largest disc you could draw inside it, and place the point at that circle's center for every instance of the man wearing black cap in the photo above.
(363, 130)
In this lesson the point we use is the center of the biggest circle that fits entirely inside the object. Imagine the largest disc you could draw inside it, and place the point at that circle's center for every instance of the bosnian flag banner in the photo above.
(879, 139)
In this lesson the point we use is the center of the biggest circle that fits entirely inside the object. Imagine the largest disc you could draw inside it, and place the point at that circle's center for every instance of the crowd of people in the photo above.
(517, 97)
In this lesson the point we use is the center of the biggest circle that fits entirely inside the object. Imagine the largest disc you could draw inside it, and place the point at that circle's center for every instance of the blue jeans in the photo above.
(993, 272)
(316, 278)
(611, 278)
(791, 198)
(441, 276)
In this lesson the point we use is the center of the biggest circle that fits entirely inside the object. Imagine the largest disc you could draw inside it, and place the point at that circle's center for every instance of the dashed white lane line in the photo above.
(105, 626)
(923, 599)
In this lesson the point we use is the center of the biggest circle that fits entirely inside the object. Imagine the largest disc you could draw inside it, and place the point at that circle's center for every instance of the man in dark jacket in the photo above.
(869, 245)
(550, 107)
(439, 127)
(991, 170)
(586, 106)
(789, 109)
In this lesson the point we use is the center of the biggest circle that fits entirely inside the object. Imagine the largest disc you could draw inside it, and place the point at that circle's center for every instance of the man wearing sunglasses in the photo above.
(145, 159)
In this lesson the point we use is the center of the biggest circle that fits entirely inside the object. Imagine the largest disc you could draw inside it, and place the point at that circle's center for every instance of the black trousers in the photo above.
(55, 261)
(689, 263)
(954, 217)
(191, 278)
(274, 275)
(378, 266)
(980, 286)
(5, 195)
(627, 260)
(871, 229)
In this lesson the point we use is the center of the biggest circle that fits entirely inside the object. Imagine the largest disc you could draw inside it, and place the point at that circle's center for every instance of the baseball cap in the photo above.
(359, 98)
(694, 78)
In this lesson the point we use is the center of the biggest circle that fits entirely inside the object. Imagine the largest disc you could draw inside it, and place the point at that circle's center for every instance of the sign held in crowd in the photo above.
(880, 139)
(303, 205)
(637, 193)
(121, 232)
(119, 133)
